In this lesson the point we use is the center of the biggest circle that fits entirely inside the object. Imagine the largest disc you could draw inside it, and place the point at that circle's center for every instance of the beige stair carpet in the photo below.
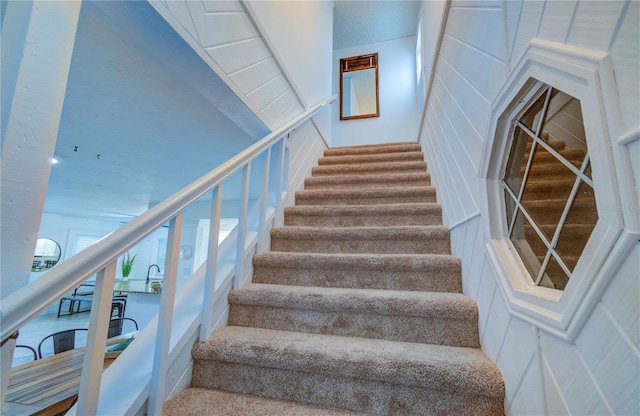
(545, 196)
(357, 308)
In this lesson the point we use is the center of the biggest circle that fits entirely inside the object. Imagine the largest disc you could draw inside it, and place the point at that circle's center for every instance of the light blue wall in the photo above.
(398, 119)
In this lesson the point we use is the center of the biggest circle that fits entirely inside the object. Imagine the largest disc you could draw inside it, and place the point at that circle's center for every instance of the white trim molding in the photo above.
(464, 220)
(588, 76)
(629, 137)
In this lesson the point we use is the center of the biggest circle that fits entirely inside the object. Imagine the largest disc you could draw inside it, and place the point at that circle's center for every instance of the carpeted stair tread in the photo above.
(363, 215)
(370, 145)
(370, 168)
(385, 302)
(571, 241)
(393, 240)
(573, 156)
(443, 318)
(374, 158)
(548, 211)
(373, 149)
(547, 171)
(358, 306)
(423, 272)
(370, 196)
(537, 189)
(368, 181)
(466, 371)
(196, 401)
(555, 144)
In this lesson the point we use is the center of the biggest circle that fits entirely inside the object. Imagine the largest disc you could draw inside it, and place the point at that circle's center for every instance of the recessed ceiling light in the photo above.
(55, 160)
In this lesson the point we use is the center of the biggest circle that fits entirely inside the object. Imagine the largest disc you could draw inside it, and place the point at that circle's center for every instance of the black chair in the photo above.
(62, 340)
(75, 300)
(118, 305)
(116, 324)
(35, 354)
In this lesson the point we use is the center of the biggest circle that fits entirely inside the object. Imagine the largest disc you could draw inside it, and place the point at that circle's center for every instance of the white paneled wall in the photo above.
(305, 148)
(224, 35)
(598, 373)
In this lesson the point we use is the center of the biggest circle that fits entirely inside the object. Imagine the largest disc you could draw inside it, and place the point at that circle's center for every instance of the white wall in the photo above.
(301, 35)
(431, 22)
(598, 372)
(37, 39)
(398, 121)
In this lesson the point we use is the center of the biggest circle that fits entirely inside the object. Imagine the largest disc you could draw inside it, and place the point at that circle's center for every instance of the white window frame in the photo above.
(588, 76)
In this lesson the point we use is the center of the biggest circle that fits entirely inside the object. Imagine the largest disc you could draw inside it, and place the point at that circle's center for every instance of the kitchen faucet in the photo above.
(149, 271)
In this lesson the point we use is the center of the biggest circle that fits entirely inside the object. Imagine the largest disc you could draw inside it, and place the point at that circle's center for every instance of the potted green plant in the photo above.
(127, 265)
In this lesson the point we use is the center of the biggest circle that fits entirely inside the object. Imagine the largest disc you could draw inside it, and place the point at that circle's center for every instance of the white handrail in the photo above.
(29, 301)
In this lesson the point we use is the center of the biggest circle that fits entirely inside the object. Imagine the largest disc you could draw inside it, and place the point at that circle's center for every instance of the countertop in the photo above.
(139, 286)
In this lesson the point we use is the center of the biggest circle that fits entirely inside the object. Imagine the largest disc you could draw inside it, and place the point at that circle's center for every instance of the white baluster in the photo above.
(242, 225)
(264, 201)
(165, 317)
(212, 263)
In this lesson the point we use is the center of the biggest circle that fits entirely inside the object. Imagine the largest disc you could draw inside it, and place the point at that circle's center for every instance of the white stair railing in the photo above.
(101, 258)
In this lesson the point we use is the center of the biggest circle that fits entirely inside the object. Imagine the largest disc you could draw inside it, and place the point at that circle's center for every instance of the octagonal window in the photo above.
(550, 207)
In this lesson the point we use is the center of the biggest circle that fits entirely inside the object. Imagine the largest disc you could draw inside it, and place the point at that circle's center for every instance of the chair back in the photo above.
(116, 324)
(62, 340)
(33, 351)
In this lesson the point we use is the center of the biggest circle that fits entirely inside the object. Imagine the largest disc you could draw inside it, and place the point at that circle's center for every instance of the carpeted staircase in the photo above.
(357, 308)
(545, 196)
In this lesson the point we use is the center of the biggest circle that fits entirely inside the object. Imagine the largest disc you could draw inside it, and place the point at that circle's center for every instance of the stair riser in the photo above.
(540, 190)
(355, 394)
(555, 145)
(391, 157)
(573, 156)
(378, 246)
(551, 174)
(372, 150)
(323, 183)
(570, 244)
(433, 218)
(335, 200)
(371, 197)
(445, 280)
(579, 215)
(369, 169)
(454, 332)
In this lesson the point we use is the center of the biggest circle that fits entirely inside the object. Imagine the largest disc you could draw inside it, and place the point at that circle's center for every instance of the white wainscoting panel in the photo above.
(251, 77)
(599, 372)
(517, 360)
(531, 389)
(234, 56)
(554, 401)
(607, 355)
(594, 23)
(557, 15)
(625, 50)
(513, 13)
(621, 298)
(481, 26)
(223, 33)
(467, 59)
(528, 25)
(487, 290)
(305, 148)
(574, 381)
(496, 327)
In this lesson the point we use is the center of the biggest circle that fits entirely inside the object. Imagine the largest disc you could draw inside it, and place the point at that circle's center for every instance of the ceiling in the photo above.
(362, 22)
(144, 116)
